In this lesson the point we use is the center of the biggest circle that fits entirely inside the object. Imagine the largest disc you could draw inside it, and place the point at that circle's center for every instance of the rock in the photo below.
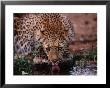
(24, 73)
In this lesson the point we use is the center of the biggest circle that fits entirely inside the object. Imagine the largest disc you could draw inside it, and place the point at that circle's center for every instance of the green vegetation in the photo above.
(87, 55)
(22, 64)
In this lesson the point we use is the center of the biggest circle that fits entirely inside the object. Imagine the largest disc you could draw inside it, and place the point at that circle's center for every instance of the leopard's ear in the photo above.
(69, 28)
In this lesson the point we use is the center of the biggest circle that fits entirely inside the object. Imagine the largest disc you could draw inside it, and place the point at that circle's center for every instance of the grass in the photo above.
(87, 55)
(22, 64)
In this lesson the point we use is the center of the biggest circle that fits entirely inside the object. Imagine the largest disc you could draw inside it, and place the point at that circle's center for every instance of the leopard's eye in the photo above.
(44, 32)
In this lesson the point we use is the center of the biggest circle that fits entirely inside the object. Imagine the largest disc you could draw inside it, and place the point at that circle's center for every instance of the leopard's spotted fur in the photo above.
(53, 30)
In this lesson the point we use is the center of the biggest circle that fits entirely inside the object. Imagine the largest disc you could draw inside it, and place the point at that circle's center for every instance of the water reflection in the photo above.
(65, 69)
(83, 71)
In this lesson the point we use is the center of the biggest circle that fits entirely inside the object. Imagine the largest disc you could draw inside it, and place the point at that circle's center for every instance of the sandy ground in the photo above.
(85, 26)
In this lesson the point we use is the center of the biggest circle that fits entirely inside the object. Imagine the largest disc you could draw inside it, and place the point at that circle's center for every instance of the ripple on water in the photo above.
(77, 70)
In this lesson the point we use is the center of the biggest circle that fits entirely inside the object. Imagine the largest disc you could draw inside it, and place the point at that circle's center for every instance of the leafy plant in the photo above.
(87, 55)
(22, 64)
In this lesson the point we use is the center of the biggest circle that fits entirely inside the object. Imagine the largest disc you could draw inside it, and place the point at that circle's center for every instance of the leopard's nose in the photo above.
(52, 56)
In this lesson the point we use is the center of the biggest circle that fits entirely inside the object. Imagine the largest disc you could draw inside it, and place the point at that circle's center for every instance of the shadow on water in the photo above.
(66, 68)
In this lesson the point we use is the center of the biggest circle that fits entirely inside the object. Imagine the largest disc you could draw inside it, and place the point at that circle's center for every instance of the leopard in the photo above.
(54, 31)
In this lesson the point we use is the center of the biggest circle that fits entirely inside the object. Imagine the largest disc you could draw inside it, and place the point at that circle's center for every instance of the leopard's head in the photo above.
(55, 32)
(54, 44)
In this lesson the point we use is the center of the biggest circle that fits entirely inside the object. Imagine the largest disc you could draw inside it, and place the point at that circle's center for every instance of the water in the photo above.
(66, 70)
(83, 71)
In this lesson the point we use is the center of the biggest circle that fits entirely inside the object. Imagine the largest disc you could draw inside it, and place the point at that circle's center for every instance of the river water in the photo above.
(83, 71)
(67, 70)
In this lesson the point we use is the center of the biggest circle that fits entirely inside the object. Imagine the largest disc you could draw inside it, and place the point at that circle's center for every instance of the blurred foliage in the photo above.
(22, 64)
(87, 55)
